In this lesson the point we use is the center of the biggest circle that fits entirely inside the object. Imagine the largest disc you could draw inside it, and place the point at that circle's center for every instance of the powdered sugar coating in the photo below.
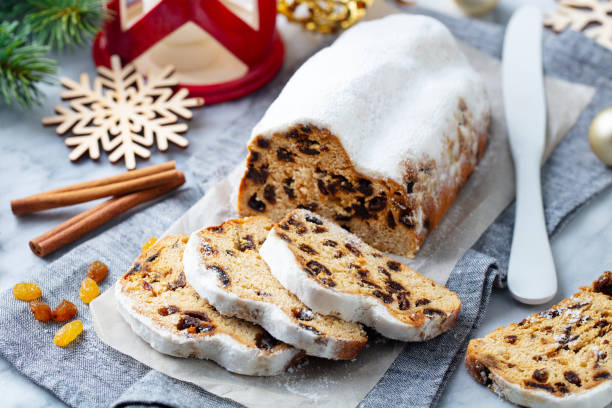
(221, 348)
(388, 89)
(596, 397)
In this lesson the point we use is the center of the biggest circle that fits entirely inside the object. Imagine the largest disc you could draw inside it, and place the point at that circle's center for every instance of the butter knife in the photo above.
(531, 271)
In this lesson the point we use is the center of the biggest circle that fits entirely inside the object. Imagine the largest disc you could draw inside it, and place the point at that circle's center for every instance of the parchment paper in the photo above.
(343, 384)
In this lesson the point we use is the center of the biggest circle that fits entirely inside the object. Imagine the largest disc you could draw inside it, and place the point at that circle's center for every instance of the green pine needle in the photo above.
(22, 65)
(58, 23)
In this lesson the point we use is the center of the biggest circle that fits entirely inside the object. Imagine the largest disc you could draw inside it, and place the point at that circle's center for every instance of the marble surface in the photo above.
(33, 159)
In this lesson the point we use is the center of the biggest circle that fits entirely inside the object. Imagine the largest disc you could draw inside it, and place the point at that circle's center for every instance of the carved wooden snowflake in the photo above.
(594, 17)
(123, 112)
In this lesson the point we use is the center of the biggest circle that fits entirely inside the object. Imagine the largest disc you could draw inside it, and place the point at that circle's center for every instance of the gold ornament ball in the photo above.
(476, 7)
(600, 136)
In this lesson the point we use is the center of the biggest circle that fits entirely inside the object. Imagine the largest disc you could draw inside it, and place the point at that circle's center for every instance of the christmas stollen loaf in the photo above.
(336, 273)
(222, 263)
(165, 311)
(561, 357)
(377, 132)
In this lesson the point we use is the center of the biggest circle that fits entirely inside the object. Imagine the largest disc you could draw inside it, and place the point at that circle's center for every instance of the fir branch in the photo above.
(58, 23)
(22, 65)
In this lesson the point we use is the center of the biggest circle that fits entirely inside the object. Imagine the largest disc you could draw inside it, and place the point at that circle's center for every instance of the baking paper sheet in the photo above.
(324, 383)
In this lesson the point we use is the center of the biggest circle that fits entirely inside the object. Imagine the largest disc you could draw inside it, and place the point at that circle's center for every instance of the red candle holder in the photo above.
(220, 50)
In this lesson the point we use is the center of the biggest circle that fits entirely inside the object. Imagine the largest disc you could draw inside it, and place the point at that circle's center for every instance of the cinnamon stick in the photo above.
(89, 220)
(50, 200)
(128, 175)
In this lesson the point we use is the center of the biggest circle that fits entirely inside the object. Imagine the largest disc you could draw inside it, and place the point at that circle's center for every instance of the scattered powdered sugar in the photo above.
(497, 389)
(573, 316)
(307, 314)
(598, 353)
(550, 314)
(298, 376)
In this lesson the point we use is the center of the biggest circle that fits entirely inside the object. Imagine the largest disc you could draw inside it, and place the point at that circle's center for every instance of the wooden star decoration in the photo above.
(593, 17)
(123, 112)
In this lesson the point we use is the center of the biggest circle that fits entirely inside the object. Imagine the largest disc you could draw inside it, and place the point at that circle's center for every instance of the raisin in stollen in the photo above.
(222, 263)
(561, 357)
(336, 273)
(165, 311)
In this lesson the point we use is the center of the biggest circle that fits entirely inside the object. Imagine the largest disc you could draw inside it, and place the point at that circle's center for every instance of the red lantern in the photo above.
(221, 49)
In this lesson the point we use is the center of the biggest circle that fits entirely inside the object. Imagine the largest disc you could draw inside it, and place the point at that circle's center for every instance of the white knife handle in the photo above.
(531, 270)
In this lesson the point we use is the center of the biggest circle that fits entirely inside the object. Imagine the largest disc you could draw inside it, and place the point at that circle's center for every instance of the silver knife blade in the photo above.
(522, 81)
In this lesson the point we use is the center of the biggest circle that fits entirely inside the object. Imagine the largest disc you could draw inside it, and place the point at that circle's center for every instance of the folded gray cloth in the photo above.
(90, 374)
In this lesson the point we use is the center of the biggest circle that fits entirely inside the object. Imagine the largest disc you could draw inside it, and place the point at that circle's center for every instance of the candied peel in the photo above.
(150, 242)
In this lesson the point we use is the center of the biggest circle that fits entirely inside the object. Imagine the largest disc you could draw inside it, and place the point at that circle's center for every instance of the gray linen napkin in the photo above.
(90, 374)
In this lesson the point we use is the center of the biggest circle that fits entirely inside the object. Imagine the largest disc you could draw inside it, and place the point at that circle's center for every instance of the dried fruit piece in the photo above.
(150, 242)
(89, 290)
(67, 333)
(26, 291)
(97, 270)
(40, 310)
(64, 311)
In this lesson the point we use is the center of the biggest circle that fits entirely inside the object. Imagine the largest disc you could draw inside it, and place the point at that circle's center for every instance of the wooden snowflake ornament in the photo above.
(594, 17)
(123, 112)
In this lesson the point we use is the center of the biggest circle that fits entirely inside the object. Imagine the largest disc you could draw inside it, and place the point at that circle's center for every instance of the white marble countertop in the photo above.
(32, 156)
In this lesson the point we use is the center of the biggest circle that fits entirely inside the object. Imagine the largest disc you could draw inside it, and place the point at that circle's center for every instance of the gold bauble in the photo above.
(324, 16)
(600, 136)
(476, 7)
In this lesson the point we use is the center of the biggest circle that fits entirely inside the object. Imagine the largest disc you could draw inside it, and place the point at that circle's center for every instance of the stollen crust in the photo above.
(336, 273)
(561, 357)
(165, 311)
(222, 263)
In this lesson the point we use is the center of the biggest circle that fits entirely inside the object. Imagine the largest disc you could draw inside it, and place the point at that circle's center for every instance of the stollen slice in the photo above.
(222, 263)
(561, 357)
(336, 273)
(165, 311)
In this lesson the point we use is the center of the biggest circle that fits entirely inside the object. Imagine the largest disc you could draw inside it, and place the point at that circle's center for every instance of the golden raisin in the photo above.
(64, 311)
(40, 310)
(67, 333)
(97, 271)
(150, 242)
(89, 290)
(26, 291)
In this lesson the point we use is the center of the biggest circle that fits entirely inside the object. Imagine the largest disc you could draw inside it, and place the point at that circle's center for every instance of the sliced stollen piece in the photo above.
(222, 263)
(165, 311)
(561, 357)
(378, 132)
(336, 273)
